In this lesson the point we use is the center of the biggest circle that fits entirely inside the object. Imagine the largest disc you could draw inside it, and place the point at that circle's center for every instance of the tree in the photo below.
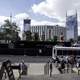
(72, 41)
(28, 35)
(10, 31)
(36, 37)
(55, 39)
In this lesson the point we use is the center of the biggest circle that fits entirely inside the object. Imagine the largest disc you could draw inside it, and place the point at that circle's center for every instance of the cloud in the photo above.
(2, 19)
(19, 19)
(56, 8)
(22, 16)
(35, 22)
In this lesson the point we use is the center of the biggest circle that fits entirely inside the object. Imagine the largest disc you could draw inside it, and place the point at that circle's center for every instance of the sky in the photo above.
(40, 12)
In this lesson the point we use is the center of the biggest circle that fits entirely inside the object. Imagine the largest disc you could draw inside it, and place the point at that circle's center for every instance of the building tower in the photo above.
(71, 27)
(26, 27)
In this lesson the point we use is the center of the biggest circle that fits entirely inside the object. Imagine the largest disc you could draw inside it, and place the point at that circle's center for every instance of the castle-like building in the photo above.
(71, 27)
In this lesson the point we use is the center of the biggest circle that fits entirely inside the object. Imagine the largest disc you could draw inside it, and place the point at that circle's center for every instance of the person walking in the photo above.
(57, 61)
(67, 63)
(50, 68)
(23, 68)
(72, 63)
(62, 67)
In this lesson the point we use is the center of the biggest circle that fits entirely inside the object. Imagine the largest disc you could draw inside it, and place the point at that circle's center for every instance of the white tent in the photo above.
(56, 48)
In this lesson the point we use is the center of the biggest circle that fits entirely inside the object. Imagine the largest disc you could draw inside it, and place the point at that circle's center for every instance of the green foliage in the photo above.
(71, 40)
(36, 37)
(55, 38)
(28, 36)
(9, 31)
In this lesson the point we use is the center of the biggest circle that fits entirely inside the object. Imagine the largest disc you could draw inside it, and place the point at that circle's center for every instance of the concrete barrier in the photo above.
(77, 70)
(46, 69)
(36, 69)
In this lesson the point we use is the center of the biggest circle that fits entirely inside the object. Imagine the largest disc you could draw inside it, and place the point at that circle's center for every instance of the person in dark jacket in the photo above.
(50, 67)
(62, 66)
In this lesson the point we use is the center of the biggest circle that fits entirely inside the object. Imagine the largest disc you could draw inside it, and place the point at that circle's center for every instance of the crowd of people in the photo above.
(66, 62)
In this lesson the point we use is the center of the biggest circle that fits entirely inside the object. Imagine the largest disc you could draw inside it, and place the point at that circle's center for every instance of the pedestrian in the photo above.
(77, 65)
(63, 65)
(23, 68)
(50, 68)
(67, 63)
(57, 61)
(72, 63)
(67, 66)
(60, 68)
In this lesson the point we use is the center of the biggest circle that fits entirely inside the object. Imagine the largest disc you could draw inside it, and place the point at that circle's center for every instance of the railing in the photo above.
(27, 51)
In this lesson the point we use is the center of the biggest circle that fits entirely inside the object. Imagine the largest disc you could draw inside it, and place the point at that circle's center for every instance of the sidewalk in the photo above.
(37, 69)
(55, 70)
(54, 77)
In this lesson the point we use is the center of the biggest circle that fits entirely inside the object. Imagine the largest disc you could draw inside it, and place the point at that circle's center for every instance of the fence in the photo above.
(27, 51)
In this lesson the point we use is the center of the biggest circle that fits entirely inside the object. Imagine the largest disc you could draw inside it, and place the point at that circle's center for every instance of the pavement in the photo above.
(36, 65)
(54, 77)
(28, 59)
(36, 68)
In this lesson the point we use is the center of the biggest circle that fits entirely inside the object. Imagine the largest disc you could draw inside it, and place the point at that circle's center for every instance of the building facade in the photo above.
(47, 32)
(72, 27)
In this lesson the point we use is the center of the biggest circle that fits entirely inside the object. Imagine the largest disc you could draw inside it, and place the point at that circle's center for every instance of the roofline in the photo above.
(66, 48)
